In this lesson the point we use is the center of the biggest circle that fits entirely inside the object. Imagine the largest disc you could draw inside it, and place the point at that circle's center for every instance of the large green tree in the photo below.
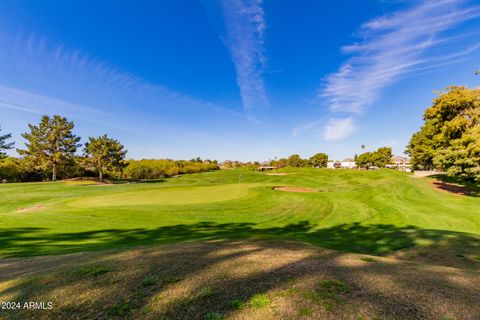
(421, 148)
(104, 153)
(51, 143)
(379, 158)
(450, 138)
(319, 160)
(383, 156)
(365, 160)
(4, 145)
(296, 161)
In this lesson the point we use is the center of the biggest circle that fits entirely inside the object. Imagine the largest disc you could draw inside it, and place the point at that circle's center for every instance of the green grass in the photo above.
(149, 281)
(204, 292)
(214, 316)
(93, 271)
(367, 259)
(305, 312)
(372, 212)
(259, 301)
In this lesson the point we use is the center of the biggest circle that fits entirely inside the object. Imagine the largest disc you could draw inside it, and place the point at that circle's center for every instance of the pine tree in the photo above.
(4, 145)
(50, 143)
(104, 153)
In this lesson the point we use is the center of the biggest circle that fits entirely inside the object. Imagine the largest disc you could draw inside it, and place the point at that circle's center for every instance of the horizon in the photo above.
(234, 80)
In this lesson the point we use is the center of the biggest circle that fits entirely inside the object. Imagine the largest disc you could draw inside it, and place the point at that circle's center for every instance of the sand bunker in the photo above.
(276, 174)
(294, 189)
(31, 209)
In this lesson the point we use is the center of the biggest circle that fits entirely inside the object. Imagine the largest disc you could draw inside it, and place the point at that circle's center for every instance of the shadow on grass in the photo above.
(220, 279)
(457, 185)
(377, 239)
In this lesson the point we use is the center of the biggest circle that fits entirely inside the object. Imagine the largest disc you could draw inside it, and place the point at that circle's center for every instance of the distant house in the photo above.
(333, 164)
(348, 163)
(400, 163)
(266, 168)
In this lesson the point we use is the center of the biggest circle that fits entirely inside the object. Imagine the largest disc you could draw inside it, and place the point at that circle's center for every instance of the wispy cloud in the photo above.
(26, 101)
(245, 26)
(39, 77)
(338, 129)
(392, 46)
(305, 127)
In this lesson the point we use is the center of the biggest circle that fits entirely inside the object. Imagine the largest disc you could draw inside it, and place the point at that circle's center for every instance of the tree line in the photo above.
(318, 160)
(51, 151)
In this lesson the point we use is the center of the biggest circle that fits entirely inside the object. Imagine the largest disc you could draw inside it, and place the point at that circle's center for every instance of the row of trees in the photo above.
(162, 168)
(50, 150)
(318, 160)
(52, 143)
(449, 139)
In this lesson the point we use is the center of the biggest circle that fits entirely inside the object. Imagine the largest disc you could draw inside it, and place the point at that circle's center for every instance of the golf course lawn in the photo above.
(374, 212)
(330, 244)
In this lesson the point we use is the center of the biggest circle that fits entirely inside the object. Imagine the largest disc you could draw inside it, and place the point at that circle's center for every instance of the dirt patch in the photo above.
(31, 209)
(294, 189)
(452, 188)
(276, 174)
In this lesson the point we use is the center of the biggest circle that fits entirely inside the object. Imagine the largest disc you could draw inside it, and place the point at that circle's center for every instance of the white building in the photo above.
(348, 163)
(331, 164)
(400, 163)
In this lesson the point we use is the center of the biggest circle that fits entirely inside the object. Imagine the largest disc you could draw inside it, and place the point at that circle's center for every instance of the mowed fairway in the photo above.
(373, 212)
(358, 245)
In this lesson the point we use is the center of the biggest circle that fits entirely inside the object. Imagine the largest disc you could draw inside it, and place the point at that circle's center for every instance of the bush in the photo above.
(163, 168)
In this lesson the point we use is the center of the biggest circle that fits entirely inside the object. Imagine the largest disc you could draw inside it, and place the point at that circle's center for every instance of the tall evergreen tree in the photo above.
(104, 153)
(4, 145)
(50, 143)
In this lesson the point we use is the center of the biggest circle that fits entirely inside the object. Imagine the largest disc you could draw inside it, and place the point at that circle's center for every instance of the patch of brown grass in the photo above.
(31, 209)
(237, 280)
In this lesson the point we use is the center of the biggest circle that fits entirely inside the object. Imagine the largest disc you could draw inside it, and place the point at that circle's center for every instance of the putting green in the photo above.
(168, 196)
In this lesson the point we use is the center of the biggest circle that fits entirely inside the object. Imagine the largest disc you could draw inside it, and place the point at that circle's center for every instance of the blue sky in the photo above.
(234, 79)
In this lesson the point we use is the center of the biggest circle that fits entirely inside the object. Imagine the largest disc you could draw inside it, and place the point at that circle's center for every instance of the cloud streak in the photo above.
(300, 129)
(338, 129)
(245, 27)
(395, 45)
(38, 77)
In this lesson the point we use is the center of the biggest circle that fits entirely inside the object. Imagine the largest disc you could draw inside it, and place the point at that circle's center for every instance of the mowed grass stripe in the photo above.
(361, 211)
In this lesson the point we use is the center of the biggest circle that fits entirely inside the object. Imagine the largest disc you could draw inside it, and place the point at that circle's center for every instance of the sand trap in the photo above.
(276, 174)
(294, 189)
(31, 209)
